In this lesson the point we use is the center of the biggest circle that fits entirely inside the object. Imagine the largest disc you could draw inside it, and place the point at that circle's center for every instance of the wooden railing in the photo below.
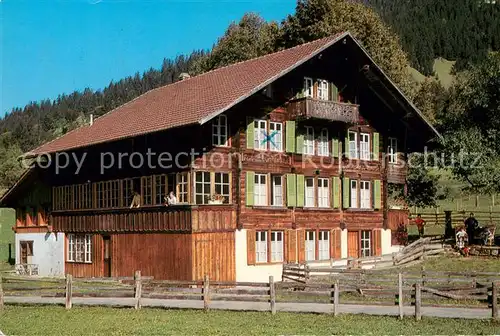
(305, 108)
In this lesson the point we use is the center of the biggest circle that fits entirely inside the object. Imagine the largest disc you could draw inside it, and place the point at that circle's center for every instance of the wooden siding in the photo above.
(214, 255)
(214, 218)
(87, 270)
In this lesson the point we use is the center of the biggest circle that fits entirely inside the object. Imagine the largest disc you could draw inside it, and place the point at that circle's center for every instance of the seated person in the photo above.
(136, 200)
(461, 238)
(171, 199)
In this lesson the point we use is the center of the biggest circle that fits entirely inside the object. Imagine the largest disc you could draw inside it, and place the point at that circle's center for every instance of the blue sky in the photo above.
(53, 47)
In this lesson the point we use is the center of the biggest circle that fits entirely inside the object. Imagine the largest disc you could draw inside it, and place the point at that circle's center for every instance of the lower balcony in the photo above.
(177, 218)
(305, 108)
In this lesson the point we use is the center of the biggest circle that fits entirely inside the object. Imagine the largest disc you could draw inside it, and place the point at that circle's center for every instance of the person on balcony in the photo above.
(171, 199)
(136, 200)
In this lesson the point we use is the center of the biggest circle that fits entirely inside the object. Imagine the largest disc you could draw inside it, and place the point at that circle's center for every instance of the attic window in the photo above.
(219, 131)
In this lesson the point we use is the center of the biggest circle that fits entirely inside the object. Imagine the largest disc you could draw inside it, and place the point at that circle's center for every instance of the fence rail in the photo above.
(349, 287)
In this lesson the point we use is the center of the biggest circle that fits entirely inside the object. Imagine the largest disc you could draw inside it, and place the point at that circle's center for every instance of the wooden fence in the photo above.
(437, 217)
(349, 287)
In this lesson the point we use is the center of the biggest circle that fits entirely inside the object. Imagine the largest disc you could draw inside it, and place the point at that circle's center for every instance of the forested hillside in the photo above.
(457, 30)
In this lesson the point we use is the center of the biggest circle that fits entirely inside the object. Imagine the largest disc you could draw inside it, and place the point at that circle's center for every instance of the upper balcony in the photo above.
(305, 108)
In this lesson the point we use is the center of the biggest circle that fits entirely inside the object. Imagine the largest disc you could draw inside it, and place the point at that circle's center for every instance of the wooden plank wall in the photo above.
(87, 270)
(214, 254)
(213, 219)
(161, 255)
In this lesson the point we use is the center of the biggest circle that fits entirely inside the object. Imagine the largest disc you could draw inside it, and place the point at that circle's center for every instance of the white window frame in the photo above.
(276, 141)
(323, 245)
(323, 148)
(309, 192)
(309, 141)
(260, 132)
(353, 145)
(203, 182)
(392, 150)
(322, 89)
(308, 87)
(366, 243)
(220, 131)
(310, 246)
(354, 193)
(364, 146)
(277, 246)
(221, 184)
(277, 190)
(260, 190)
(261, 247)
(365, 194)
(323, 192)
(84, 241)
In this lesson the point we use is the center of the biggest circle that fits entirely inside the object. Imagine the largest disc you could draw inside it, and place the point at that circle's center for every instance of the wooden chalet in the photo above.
(283, 158)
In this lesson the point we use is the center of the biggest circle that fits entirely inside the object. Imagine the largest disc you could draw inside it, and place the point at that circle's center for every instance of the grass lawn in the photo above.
(18, 320)
(459, 264)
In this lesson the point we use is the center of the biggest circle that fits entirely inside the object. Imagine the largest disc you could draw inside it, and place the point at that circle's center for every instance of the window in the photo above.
(80, 248)
(114, 194)
(260, 134)
(277, 191)
(309, 192)
(276, 136)
(310, 245)
(364, 187)
(160, 189)
(202, 187)
(219, 131)
(309, 141)
(322, 89)
(182, 185)
(364, 144)
(147, 190)
(324, 245)
(276, 246)
(261, 246)
(353, 145)
(222, 186)
(392, 151)
(323, 193)
(354, 194)
(323, 143)
(260, 189)
(366, 249)
(26, 251)
(308, 87)
(129, 187)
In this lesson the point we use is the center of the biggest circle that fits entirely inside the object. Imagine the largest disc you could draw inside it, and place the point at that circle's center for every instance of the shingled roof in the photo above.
(190, 101)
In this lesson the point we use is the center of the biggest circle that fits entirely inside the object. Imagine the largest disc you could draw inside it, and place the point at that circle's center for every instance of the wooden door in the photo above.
(107, 256)
(353, 244)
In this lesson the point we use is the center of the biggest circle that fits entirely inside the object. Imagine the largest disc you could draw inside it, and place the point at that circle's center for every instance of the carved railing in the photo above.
(305, 108)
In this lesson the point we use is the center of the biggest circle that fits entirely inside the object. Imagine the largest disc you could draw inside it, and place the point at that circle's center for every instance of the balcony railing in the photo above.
(306, 108)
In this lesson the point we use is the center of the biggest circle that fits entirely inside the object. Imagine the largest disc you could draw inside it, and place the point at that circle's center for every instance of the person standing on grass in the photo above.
(471, 225)
(420, 225)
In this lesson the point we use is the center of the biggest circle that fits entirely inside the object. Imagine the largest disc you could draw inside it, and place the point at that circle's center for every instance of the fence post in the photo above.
(69, 291)
(138, 289)
(206, 293)
(272, 294)
(307, 272)
(1, 293)
(494, 301)
(418, 301)
(336, 296)
(400, 295)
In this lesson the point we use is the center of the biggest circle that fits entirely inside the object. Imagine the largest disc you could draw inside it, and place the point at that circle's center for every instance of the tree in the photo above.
(314, 19)
(10, 168)
(471, 123)
(430, 98)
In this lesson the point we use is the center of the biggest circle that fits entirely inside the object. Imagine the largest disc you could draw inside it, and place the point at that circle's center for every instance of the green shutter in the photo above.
(290, 136)
(299, 147)
(291, 190)
(300, 190)
(346, 188)
(250, 133)
(346, 146)
(376, 145)
(335, 148)
(336, 192)
(250, 180)
(377, 191)
(334, 92)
